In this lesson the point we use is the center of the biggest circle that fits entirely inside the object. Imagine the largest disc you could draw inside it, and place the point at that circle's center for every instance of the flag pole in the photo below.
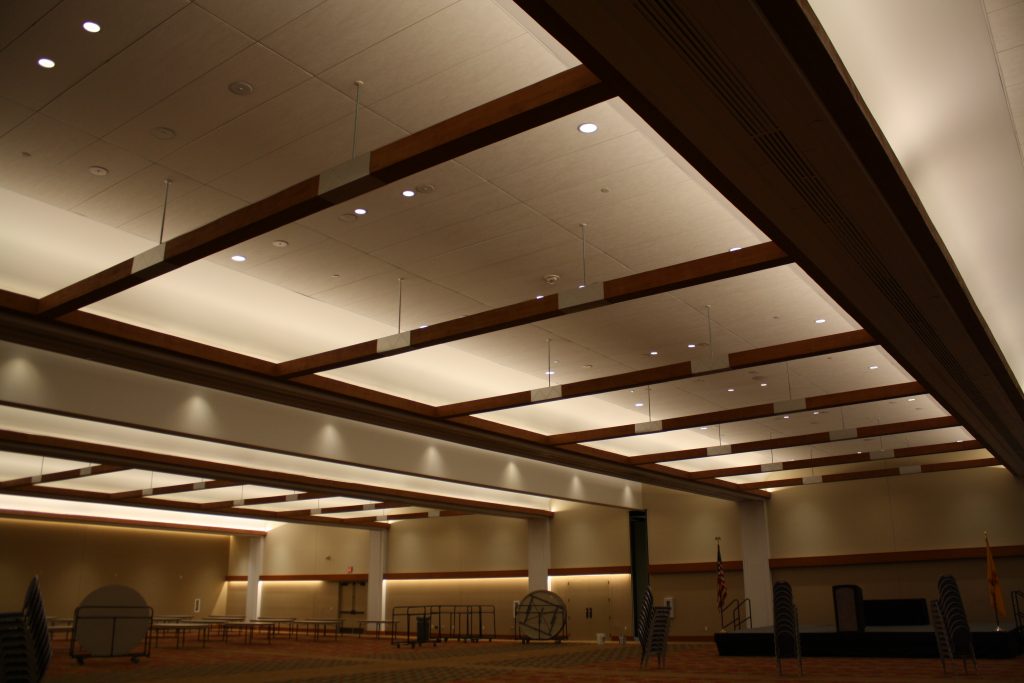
(994, 593)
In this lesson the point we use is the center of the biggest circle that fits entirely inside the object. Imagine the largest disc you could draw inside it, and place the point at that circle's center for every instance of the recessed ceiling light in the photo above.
(238, 258)
(422, 327)
(359, 212)
(638, 405)
(730, 389)
(764, 384)
(587, 366)
(91, 27)
(911, 399)
(652, 353)
(817, 412)
(408, 193)
(587, 128)
(872, 367)
(819, 321)
(98, 170)
(704, 429)
(735, 248)
(959, 440)
(785, 417)
(691, 346)
(539, 296)
(549, 372)
(46, 62)
(241, 88)
(280, 244)
(163, 133)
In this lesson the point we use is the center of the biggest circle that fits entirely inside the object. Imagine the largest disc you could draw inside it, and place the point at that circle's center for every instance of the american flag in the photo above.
(722, 592)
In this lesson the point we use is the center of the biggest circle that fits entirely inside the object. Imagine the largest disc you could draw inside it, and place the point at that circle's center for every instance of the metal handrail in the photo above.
(1017, 598)
(738, 619)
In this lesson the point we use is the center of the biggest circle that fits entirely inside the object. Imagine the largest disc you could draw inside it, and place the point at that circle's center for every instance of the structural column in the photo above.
(538, 552)
(253, 589)
(375, 574)
(757, 575)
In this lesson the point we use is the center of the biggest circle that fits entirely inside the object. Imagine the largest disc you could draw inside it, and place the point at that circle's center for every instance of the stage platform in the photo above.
(874, 641)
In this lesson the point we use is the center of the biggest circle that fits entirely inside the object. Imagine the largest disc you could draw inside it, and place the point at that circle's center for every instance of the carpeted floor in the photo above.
(358, 660)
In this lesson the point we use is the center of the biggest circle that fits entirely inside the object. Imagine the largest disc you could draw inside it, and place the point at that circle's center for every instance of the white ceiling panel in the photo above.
(189, 206)
(269, 74)
(43, 248)
(337, 29)
(18, 17)
(311, 270)
(128, 480)
(307, 107)
(424, 49)
(19, 465)
(310, 503)
(175, 52)
(257, 18)
(308, 156)
(263, 249)
(510, 66)
(58, 35)
(32, 148)
(11, 114)
(135, 196)
(226, 493)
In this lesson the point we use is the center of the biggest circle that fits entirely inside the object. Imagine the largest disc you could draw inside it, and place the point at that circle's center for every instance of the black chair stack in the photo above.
(949, 620)
(25, 640)
(643, 622)
(787, 626)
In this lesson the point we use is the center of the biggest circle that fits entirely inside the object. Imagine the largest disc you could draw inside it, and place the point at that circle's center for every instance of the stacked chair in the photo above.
(25, 640)
(949, 620)
(652, 630)
(787, 626)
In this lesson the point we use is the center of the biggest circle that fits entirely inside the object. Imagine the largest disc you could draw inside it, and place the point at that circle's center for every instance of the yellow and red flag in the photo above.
(995, 593)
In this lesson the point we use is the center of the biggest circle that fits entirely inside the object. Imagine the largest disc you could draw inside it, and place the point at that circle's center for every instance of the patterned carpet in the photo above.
(358, 660)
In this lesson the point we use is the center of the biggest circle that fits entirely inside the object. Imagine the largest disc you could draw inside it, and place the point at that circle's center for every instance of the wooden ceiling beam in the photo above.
(175, 488)
(64, 475)
(718, 417)
(21, 442)
(594, 295)
(833, 343)
(844, 459)
(534, 105)
(874, 474)
(799, 440)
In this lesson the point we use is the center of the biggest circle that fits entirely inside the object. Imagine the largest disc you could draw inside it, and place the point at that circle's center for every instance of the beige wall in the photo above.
(682, 527)
(314, 549)
(918, 512)
(695, 596)
(498, 592)
(467, 543)
(589, 536)
(169, 568)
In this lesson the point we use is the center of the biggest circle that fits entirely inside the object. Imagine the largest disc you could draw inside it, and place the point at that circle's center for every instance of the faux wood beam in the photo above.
(844, 459)
(78, 495)
(874, 474)
(175, 488)
(545, 101)
(833, 343)
(799, 440)
(718, 417)
(628, 288)
(36, 444)
(64, 475)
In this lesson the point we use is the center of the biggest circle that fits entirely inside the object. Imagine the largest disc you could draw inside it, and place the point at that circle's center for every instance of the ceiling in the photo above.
(176, 114)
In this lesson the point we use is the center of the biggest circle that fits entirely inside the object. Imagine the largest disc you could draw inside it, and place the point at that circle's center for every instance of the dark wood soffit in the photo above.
(753, 95)
(754, 412)
(833, 343)
(38, 444)
(844, 459)
(627, 288)
(547, 100)
(874, 474)
(800, 440)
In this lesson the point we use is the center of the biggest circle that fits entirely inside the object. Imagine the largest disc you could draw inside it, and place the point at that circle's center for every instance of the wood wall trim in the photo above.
(586, 571)
(138, 524)
(474, 574)
(895, 557)
(696, 567)
(301, 577)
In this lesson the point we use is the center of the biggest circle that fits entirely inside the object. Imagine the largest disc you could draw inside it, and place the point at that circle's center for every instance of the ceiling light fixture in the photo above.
(91, 27)
(540, 296)
(280, 244)
(359, 212)
(587, 128)
(652, 353)
(730, 389)
(819, 321)
(238, 258)
(241, 88)
(46, 62)
(872, 367)
(704, 429)
(163, 133)
(785, 417)
(911, 399)
(638, 405)
(408, 193)
(735, 248)
(817, 412)
(549, 372)
(691, 346)
(764, 384)
(98, 170)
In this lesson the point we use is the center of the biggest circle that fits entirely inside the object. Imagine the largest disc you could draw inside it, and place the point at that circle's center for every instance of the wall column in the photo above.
(757, 576)
(375, 574)
(538, 553)
(253, 589)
